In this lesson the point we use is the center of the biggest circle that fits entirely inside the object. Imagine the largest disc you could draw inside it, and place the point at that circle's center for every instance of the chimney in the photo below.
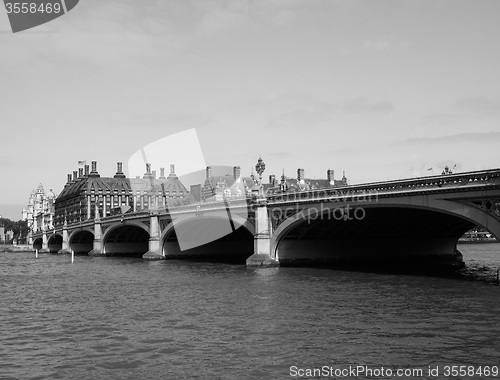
(80, 172)
(209, 172)
(330, 176)
(172, 172)
(86, 170)
(236, 172)
(69, 178)
(119, 170)
(300, 175)
(272, 180)
(154, 174)
(75, 175)
(94, 172)
(162, 173)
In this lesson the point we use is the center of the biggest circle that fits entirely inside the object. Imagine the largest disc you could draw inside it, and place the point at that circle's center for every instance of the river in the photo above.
(123, 318)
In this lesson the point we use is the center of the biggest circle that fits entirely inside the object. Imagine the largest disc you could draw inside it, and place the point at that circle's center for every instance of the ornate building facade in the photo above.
(40, 211)
(86, 191)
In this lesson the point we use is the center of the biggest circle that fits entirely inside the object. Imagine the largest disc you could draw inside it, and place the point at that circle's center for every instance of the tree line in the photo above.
(19, 228)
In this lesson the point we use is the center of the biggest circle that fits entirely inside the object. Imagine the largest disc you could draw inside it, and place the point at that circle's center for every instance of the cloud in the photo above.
(363, 105)
(223, 15)
(478, 105)
(384, 43)
(280, 154)
(223, 19)
(471, 137)
(376, 44)
(442, 118)
(305, 110)
(379, 44)
(116, 33)
(171, 119)
(465, 109)
(305, 115)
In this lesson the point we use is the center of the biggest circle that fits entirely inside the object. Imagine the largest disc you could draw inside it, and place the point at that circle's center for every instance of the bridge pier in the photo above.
(262, 239)
(97, 250)
(155, 250)
(65, 242)
(45, 243)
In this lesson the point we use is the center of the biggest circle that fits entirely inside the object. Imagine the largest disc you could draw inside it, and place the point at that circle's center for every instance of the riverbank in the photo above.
(16, 248)
(482, 261)
(478, 272)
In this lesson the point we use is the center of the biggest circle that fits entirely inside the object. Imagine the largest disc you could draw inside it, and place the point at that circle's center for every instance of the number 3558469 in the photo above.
(33, 8)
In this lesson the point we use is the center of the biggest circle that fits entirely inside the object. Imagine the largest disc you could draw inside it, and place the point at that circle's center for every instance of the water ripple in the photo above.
(127, 319)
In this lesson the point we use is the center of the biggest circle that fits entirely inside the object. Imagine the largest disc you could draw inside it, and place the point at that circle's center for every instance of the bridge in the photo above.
(411, 222)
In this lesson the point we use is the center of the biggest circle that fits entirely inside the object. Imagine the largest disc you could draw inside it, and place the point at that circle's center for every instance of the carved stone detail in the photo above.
(279, 217)
(491, 206)
(163, 224)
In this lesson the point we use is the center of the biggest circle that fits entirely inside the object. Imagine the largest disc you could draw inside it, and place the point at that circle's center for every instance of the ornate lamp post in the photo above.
(260, 167)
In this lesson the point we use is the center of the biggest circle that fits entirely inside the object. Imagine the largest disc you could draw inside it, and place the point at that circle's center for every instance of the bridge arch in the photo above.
(126, 239)
(422, 234)
(54, 243)
(38, 243)
(233, 247)
(81, 241)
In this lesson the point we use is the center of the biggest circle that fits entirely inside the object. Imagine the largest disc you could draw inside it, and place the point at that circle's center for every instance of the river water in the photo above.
(122, 318)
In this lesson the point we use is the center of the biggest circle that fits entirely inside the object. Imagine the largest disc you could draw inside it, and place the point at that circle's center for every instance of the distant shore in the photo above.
(16, 248)
(479, 241)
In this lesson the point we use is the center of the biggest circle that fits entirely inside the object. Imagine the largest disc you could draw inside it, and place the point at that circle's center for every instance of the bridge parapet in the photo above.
(391, 188)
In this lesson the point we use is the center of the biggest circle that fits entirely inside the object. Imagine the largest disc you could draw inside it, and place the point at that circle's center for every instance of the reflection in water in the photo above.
(120, 318)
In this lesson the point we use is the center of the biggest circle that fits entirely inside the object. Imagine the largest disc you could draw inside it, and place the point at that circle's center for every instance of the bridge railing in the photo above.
(375, 188)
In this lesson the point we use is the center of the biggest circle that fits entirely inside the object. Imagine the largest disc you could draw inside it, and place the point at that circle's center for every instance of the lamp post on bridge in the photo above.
(262, 237)
(260, 167)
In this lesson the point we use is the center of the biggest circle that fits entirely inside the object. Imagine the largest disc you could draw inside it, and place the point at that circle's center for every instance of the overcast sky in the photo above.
(380, 89)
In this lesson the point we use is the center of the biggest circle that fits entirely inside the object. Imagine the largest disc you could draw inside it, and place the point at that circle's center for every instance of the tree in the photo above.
(20, 228)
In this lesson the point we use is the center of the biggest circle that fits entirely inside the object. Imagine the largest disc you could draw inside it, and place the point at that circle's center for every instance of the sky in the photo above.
(381, 89)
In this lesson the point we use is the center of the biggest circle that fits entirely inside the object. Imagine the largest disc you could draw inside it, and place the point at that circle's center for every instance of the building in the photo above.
(226, 186)
(85, 192)
(40, 211)
(216, 187)
(288, 184)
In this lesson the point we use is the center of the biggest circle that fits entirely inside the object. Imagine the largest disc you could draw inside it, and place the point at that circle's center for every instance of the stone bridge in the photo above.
(413, 222)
